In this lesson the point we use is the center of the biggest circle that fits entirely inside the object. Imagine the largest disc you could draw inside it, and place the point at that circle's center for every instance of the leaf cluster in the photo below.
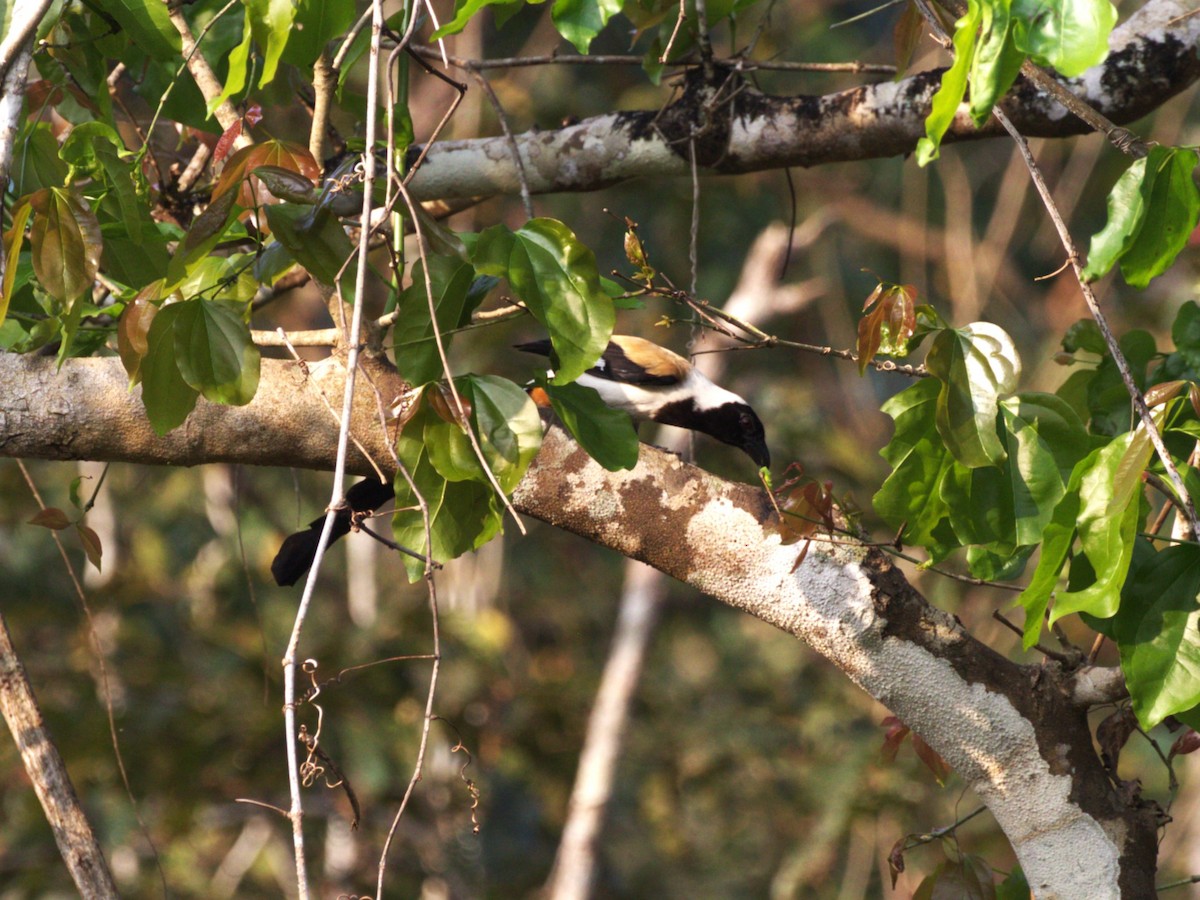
(979, 466)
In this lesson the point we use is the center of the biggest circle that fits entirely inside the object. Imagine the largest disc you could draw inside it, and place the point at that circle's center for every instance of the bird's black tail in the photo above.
(296, 554)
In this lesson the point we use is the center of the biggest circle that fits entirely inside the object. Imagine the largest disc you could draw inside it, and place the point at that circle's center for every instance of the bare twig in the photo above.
(549, 59)
(502, 118)
(296, 812)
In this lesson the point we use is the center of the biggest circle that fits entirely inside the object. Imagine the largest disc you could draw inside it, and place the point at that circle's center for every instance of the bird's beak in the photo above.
(759, 453)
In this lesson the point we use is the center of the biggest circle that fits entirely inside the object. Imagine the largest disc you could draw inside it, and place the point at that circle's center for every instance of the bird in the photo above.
(652, 383)
(296, 554)
(634, 375)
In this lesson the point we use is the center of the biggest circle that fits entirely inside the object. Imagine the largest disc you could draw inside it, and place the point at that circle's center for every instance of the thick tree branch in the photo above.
(1012, 732)
(1153, 58)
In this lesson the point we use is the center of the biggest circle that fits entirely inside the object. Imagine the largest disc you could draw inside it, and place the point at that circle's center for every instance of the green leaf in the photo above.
(1085, 335)
(66, 243)
(239, 67)
(146, 24)
(1158, 634)
(287, 184)
(134, 260)
(463, 515)
(1009, 506)
(214, 352)
(1070, 35)
(167, 397)
(508, 426)
(316, 240)
(1185, 333)
(579, 21)
(36, 163)
(996, 62)
(1056, 539)
(606, 434)
(1108, 399)
(1172, 208)
(1106, 534)
(1126, 212)
(205, 233)
(976, 365)
(911, 496)
(506, 423)
(220, 278)
(317, 23)
(556, 276)
(1014, 887)
(271, 23)
(415, 349)
(464, 10)
(954, 85)
(447, 444)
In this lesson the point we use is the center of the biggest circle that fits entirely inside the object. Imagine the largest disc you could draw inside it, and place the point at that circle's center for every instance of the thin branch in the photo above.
(296, 813)
(1046, 651)
(502, 118)
(202, 73)
(17, 40)
(324, 83)
(550, 59)
(916, 840)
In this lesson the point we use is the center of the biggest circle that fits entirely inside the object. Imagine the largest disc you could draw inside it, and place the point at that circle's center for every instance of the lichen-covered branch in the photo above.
(1015, 734)
(1153, 58)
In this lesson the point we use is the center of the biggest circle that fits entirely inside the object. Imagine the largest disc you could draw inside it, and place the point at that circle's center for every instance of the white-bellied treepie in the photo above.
(634, 375)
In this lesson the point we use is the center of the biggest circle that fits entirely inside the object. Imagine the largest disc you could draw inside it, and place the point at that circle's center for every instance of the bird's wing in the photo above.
(627, 360)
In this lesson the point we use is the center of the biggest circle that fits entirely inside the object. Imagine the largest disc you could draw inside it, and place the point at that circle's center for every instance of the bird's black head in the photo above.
(742, 427)
(732, 423)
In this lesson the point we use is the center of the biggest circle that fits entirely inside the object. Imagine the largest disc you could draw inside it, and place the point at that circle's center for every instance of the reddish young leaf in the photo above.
(282, 154)
(807, 505)
(887, 327)
(225, 143)
(441, 401)
(1161, 393)
(896, 732)
(1194, 397)
(896, 860)
(932, 759)
(91, 544)
(132, 329)
(254, 115)
(1188, 742)
(51, 517)
(43, 93)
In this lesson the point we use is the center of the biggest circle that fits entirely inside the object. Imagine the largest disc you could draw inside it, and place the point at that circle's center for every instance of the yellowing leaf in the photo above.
(66, 243)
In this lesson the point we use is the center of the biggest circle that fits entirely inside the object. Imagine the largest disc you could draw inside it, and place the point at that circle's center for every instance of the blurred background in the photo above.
(750, 767)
